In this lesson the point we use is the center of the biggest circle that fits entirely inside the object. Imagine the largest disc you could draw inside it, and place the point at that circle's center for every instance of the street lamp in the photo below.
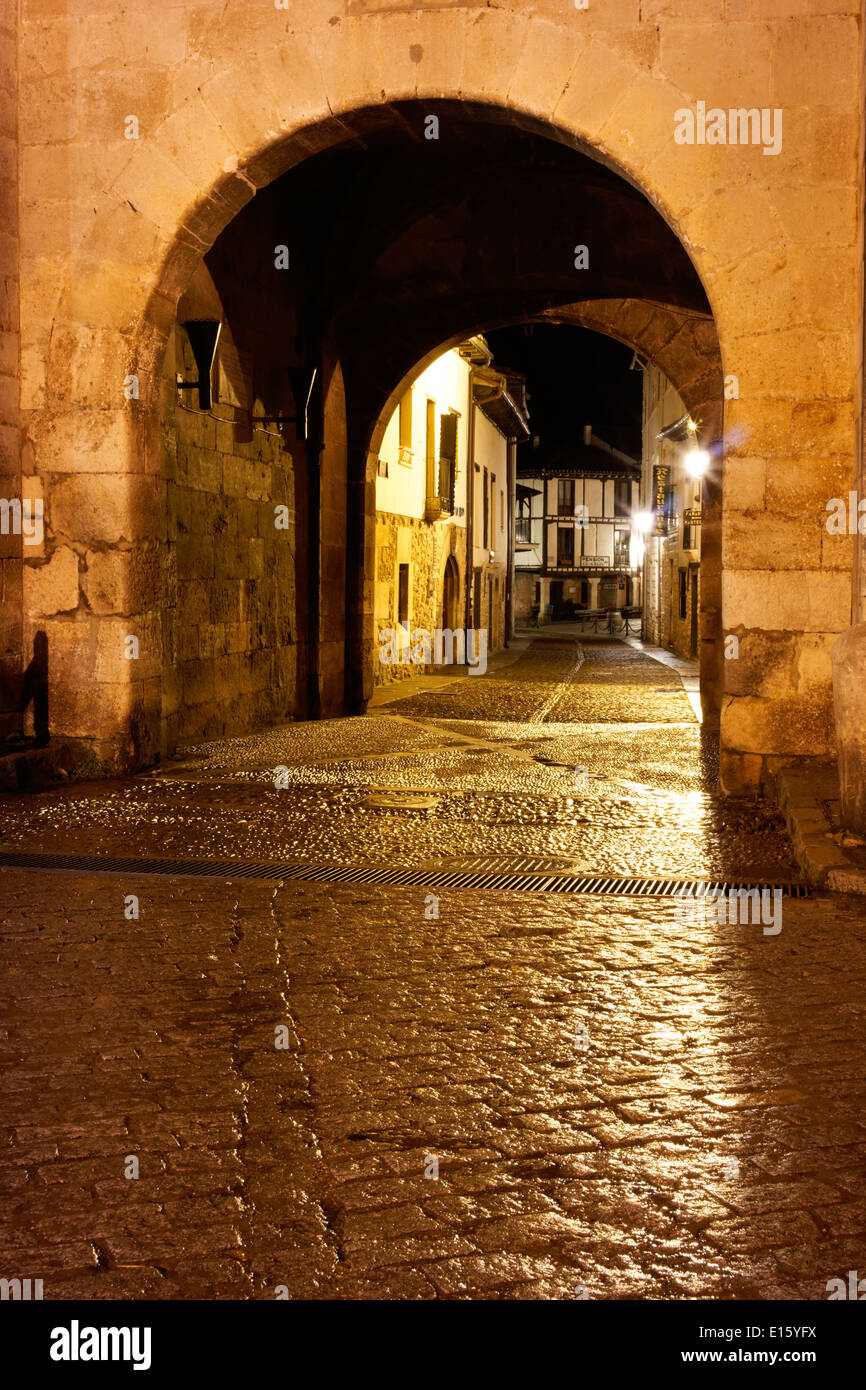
(697, 462)
(643, 522)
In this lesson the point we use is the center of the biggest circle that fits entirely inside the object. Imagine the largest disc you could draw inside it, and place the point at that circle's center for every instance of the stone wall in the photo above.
(10, 450)
(524, 596)
(229, 97)
(663, 625)
(425, 547)
(230, 637)
(492, 615)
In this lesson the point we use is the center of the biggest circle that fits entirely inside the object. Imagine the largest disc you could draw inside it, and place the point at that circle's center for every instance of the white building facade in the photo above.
(575, 546)
(443, 530)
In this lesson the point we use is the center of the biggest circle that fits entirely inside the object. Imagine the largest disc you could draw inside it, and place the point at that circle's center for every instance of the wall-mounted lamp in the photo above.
(203, 337)
(302, 380)
(697, 462)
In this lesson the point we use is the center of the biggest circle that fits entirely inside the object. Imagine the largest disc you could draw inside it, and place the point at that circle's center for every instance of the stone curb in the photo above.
(36, 768)
(818, 853)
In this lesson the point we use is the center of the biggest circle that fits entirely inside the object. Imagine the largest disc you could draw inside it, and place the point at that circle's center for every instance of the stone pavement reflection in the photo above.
(499, 753)
(615, 1102)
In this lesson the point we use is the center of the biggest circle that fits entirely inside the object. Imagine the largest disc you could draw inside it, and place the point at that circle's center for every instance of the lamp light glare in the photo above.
(697, 462)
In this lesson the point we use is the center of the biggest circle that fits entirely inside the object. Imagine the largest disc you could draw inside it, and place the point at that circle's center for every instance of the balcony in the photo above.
(441, 504)
(438, 508)
(581, 521)
(582, 563)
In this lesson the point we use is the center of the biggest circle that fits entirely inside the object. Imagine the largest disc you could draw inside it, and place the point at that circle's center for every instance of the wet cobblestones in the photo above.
(506, 781)
(616, 1099)
(613, 1101)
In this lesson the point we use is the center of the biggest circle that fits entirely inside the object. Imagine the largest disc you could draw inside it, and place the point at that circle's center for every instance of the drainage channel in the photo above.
(532, 882)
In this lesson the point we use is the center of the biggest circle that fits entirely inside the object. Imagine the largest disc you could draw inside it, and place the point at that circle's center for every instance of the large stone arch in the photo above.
(268, 90)
(684, 345)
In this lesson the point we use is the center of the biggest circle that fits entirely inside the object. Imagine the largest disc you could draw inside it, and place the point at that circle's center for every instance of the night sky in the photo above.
(574, 378)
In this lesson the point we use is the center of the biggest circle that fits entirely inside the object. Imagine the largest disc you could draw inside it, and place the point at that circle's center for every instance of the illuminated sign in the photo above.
(662, 498)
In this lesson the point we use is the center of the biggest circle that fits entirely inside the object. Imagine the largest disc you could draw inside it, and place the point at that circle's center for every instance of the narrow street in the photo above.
(376, 1090)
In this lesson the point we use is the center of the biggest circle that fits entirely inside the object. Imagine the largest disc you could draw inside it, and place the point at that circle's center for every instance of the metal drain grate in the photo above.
(511, 881)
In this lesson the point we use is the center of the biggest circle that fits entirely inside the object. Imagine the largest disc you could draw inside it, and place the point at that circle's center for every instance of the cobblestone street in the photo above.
(485, 1094)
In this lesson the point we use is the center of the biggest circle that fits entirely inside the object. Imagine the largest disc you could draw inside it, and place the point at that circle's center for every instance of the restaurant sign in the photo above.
(662, 498)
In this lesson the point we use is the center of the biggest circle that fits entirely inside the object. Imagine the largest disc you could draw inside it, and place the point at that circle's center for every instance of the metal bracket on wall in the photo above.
(302, 380)
(203, 337)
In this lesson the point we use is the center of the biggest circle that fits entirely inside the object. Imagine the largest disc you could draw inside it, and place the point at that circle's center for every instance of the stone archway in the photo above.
(684, 345)
(267, 98)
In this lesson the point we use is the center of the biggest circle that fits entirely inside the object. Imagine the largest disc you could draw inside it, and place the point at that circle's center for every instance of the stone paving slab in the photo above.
(615, 1100)
(535, 759)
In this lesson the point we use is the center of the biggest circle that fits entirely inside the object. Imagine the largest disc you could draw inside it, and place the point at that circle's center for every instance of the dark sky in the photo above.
(574, 378)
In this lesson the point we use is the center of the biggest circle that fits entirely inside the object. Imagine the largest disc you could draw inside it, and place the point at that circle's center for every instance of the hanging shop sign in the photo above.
(662, 498)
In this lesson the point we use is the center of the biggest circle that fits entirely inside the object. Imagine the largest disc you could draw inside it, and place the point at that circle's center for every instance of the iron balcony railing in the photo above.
(447, 472)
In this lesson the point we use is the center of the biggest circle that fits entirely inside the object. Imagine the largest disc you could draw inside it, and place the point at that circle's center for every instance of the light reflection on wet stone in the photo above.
(502, 781)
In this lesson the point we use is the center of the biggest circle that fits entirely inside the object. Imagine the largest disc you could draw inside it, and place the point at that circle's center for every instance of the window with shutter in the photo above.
(447, 459)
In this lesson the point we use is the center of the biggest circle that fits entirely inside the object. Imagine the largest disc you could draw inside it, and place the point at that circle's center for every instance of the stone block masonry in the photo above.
(425, 547)
(229, 620)
(10, 452)
(106, 233)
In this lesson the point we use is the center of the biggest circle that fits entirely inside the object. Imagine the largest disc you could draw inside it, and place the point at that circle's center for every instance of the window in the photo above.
(565, 497)
(403, 594)
(523, 522)
(430, 433)
(565, 546)
(501, 509)
(620, 547)
(447, 458)
(621, 498)
(485, 527)
(683, 594)
(404, 425)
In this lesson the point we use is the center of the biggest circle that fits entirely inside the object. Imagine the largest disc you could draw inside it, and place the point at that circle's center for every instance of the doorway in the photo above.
(450, 608)
(450, 594)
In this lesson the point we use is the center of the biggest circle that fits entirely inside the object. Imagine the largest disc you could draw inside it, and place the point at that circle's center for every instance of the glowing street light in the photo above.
(697, 462)
(643, 522)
